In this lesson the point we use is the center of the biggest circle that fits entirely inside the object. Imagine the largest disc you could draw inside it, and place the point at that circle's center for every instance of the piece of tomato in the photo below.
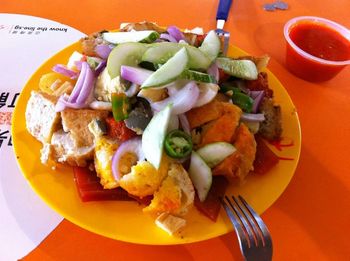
(90, 189)
(118, 130)
(223, 77)
(210, 207)
(265, 159)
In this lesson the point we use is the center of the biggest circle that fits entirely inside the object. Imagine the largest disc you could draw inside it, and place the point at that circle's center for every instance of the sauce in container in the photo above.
(317, 48)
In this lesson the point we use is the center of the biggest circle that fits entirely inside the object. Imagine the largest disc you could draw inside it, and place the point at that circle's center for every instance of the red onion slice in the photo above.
(81, 91)
(130, 146)
(101, 105)
(213, 70)
(184, 123)
(100, 67)
(168, 37)
(182, 101)
(207, 92)
(78, 64)
(175, 86)
(135, 75)
(133, 90)
(253, 117)
(255, 94)
(176, 33)
(103, 50)
(78, 85)
(62, 69)
(88, 84)
(259, 95)
(63, 103)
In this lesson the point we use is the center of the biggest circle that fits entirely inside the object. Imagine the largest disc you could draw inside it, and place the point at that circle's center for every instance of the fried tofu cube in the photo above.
(223, 128)
(64, 150)
(76, 122)
(171, 224)
(41, 118)
(204, 114)
(240, 162)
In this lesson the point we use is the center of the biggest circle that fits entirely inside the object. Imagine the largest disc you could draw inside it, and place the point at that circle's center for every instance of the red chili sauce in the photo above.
(320, 41)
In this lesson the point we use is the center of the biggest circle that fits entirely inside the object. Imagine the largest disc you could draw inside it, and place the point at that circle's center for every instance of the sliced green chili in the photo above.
(120, 106)
(228, 88)
(178, 144)
(243, 101)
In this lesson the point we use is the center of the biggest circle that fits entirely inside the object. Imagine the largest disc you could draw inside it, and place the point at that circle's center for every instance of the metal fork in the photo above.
(221, 17)
(253, 236)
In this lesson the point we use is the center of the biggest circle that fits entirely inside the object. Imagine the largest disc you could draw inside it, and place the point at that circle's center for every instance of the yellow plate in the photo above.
(125, 220)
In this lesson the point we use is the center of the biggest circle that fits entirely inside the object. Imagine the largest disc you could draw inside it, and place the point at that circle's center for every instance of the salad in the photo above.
(156, 115)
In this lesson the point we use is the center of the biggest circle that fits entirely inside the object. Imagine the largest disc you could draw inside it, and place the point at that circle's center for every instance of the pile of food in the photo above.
(154, 114)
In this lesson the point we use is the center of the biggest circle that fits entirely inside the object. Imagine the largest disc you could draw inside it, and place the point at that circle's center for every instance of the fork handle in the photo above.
(223, 9)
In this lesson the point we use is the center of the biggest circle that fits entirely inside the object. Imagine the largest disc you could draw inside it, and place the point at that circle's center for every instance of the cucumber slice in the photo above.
(171, 70)
(159, 53)
(147, 36)
(244, 69)
(124, 54)
(154, 135)
(200, 175)
(215, 152)
(211, 45)
(197, 76)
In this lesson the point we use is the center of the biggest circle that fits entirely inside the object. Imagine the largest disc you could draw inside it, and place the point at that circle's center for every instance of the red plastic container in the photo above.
(317, 48)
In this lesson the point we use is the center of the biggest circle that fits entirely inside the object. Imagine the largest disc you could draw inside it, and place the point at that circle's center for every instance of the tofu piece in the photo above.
(238, 164)
(46, 153)
(63, 149)
(90, 42)
(169, 223)
(246, 145)
(184, 182)
(41, 118)
(271, 127)
(76, 123)
(204, 114)
(141, 26)
(223, 128)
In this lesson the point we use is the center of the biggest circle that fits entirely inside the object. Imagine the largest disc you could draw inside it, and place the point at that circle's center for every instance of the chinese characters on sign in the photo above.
(7, 103)
(4, 97)
(4, 135)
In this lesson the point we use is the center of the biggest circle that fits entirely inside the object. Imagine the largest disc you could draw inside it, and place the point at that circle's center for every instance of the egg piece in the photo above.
(175, 195)
(144, 179)
(104, 151)
(166, 199)
(105, 86)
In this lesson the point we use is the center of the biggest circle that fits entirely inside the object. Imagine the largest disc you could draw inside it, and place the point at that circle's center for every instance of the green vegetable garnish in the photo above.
(120, 106)
(178, 144)
(243, 101)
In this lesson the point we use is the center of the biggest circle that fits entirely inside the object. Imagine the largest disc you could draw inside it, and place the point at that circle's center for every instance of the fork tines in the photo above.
(226, 38)
(249, 227)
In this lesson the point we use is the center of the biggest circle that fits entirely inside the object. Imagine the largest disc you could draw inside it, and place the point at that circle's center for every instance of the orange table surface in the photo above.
(310, 221)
